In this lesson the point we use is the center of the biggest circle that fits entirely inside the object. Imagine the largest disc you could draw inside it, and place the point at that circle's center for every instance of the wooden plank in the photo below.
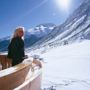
(15, 78)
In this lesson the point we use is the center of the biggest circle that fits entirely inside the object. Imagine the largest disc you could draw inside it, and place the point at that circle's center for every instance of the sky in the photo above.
(30, 13)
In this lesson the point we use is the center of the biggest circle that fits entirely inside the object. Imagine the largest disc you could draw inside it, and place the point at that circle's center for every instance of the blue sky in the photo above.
(30, 13)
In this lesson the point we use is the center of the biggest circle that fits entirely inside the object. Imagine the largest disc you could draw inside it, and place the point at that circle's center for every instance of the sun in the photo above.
(63, 4)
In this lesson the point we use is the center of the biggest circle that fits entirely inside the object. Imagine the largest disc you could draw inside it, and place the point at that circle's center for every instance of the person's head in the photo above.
(19, 32)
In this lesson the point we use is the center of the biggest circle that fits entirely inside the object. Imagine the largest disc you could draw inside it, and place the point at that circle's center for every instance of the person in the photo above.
(16, 47)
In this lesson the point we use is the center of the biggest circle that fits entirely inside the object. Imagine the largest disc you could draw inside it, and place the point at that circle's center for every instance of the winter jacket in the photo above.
(16, 50)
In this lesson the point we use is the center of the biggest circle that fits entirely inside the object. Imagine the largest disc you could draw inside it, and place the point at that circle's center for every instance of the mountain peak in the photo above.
(46, 25)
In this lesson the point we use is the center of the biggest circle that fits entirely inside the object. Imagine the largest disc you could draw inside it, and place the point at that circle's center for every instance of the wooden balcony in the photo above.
(24, 76)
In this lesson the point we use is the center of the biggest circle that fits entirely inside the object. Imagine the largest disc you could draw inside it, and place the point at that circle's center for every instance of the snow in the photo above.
(51, 28)
(81, 28)
(67, 67)
(40, 31)
(74, 26)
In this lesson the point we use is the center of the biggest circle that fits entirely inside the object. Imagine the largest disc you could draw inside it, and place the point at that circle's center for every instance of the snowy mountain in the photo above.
(4, 42)
(41, 30)
(31, 36)
(75, 28)
(35, 34)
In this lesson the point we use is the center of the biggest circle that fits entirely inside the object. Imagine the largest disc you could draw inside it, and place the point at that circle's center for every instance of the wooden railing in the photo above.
(5, 62)
(24, 76)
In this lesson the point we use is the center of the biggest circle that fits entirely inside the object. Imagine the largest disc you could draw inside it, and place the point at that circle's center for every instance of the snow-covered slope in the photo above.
(67, 67)
(75, 28)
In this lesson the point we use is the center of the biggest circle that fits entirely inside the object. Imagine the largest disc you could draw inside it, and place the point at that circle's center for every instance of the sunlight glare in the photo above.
(63, 4)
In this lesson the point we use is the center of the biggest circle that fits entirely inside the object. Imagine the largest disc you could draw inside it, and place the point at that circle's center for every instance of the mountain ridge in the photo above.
(30, 37)
(75, 28)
